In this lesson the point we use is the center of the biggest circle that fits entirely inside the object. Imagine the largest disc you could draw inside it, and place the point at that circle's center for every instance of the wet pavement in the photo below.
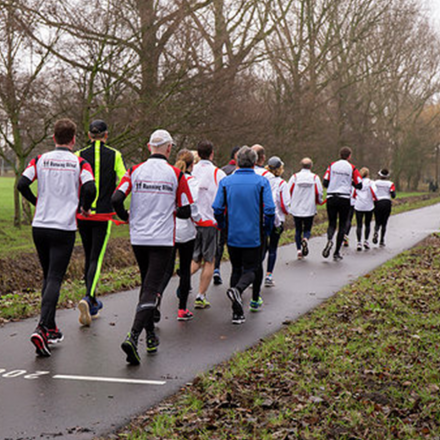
(86, 389)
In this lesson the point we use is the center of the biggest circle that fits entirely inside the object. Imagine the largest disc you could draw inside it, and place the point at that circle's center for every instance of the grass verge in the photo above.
(363, 365)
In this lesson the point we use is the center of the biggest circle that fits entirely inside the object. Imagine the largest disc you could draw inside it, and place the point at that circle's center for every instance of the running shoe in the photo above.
(129, 347)
(327, 249)
(39, 339)
(184, 315)
(255, 306)
(382, 243)
(238, 319)
(375, 237)
(237, 304)
(88, 310)
(54, 336)
(299, 255)
(366, 245)
(359, 247)
(305, 247)
(152, 342)
(201, 303)
(337, 257)
(346, 241)
(217, 278)
(268, 282)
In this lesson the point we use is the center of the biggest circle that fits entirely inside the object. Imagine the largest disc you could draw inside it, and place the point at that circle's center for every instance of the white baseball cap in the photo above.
(159, 138)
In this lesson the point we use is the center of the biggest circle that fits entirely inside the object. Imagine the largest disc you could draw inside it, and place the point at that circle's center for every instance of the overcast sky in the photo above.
(434, 7)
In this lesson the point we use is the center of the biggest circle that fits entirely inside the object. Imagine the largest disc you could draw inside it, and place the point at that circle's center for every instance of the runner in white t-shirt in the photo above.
(159, 194)
(208, 177)
(63, 180)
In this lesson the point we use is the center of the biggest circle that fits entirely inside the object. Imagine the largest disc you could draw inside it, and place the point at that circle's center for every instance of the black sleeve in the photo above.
(325, 182)
(183, 212)
(393, 194)
(88, 194)
(118, 198)
(23, 186)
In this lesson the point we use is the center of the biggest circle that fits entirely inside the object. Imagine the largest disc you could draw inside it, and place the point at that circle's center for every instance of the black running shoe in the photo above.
(54, 336)
(238, 319)
(382, 243)
(39, 339)
(129, 346)
(327, 249)
(217, 278)
(237, 304)
(375, 237)
(337, 257)
(152, 342)
(305, 247)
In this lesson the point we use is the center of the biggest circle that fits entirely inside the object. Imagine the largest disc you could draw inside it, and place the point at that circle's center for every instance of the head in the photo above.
(184, 160)
(364, 172)
(246, 157)
(196, 156)
(64, 133)
(234, 153)
(345, 153)
(306, 163)
(275, 165)
(161, 142)
(384, 173)
(205, 150)
(98, 130)
(261, 154)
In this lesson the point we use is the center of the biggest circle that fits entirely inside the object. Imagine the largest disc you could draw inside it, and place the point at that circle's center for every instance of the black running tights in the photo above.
(245, 262)
(54, 248)
(337, 207)
(185, 257)
(382, 211)
(360, 216)
(152, 261)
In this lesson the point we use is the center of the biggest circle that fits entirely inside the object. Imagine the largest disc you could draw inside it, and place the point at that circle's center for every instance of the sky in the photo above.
(434, 7)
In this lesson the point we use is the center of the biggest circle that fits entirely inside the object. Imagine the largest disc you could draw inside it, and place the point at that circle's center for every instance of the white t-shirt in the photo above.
(305, 193)
(384, 188)
(208, 177)
(60, 175)
(185, 228)
(364, 198)
(340, 175)
(157, 190)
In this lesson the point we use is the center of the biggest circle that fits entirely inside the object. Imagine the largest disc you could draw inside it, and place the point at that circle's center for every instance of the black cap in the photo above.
(234, 152)
(97, 127)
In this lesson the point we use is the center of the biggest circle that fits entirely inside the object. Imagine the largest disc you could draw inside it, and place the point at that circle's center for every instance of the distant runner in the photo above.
(281, 198)
(159, 192)
(208, 177)
(338, 179)
(62, 178)
(306, 193)
(364, 207)
(108, 168)
(385, 191)
(244, 201)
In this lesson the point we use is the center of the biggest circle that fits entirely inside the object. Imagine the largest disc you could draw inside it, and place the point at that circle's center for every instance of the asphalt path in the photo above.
(86, 389)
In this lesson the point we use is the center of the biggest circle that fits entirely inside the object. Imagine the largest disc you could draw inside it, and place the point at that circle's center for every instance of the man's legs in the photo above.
(221, 241)
(343, 209)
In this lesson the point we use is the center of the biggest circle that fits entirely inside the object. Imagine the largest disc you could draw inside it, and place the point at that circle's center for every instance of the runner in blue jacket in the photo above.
(245, 198)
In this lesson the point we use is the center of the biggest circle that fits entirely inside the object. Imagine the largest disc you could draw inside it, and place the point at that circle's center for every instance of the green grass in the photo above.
(363, 365)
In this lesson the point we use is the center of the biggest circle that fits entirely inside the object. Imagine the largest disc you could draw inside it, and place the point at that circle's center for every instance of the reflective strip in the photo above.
(97, 172)
(100, 260)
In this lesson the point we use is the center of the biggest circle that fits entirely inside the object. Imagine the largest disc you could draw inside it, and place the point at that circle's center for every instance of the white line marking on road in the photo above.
(109, 379)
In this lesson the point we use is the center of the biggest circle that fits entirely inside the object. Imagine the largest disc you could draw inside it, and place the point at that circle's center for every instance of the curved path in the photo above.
(86, 389)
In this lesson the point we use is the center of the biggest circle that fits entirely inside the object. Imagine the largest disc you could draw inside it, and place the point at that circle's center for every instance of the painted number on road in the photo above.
(24, 373)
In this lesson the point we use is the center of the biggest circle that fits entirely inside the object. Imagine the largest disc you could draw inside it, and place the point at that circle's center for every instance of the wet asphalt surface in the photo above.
(69, 395)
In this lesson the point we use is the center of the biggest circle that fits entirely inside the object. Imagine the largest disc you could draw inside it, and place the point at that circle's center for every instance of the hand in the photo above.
(87, 213)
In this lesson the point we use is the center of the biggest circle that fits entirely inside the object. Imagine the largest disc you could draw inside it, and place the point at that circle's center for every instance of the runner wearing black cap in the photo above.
(108, 168)
(62, 178)
(385, 191)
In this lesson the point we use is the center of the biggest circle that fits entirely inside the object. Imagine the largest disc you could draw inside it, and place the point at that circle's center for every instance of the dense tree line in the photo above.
(301, 77)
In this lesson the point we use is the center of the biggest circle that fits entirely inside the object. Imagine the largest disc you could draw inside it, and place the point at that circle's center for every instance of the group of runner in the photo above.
(192, 208)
